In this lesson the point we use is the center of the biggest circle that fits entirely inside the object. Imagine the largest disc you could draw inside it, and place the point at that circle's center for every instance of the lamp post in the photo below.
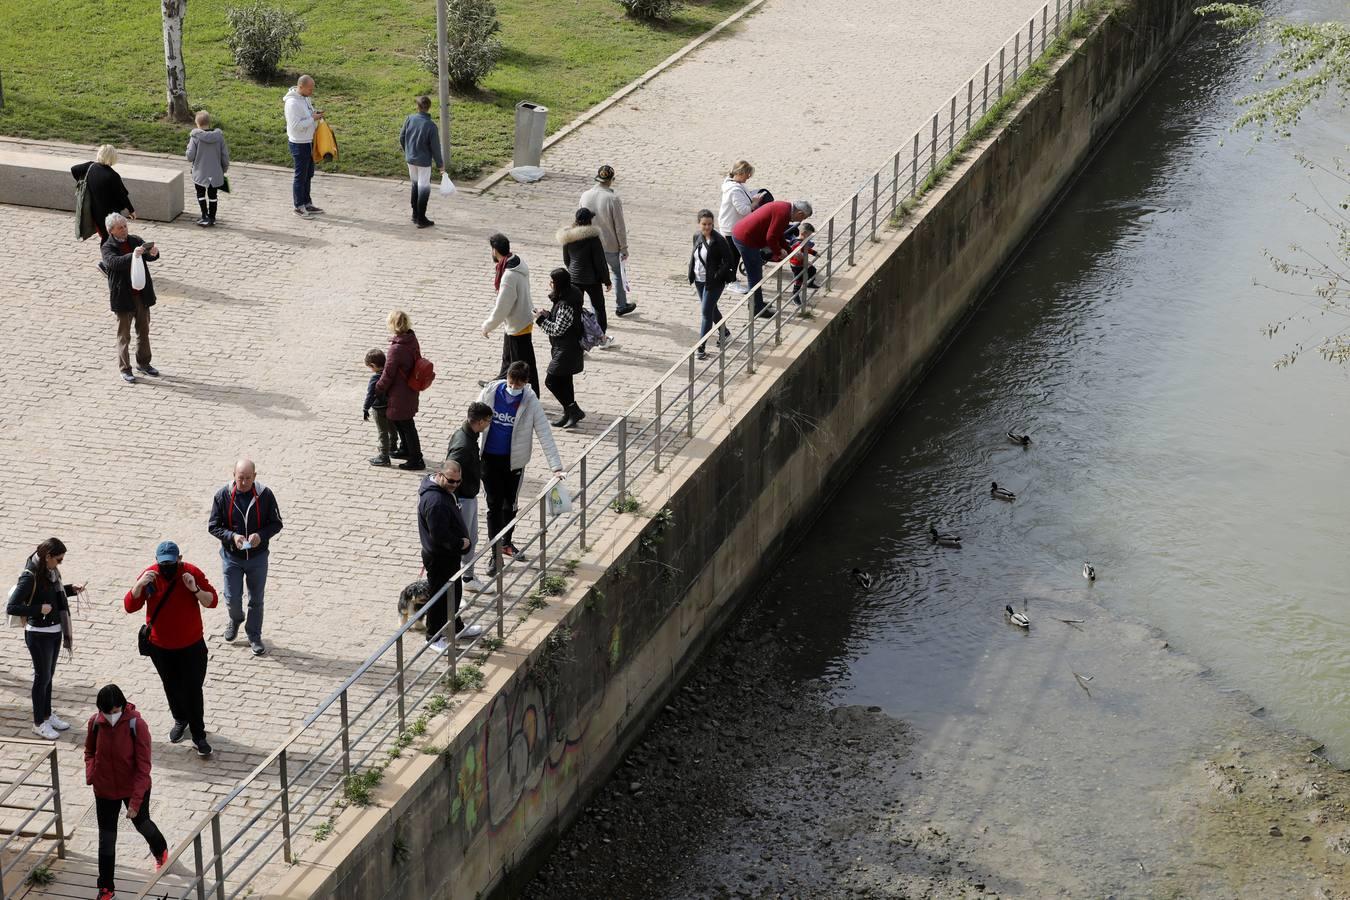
(443, 67)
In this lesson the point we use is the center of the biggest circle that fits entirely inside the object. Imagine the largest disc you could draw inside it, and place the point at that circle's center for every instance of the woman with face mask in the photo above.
(117, 765)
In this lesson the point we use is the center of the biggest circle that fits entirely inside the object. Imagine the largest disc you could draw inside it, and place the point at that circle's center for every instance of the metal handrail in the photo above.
(14, 857)
(871, 206)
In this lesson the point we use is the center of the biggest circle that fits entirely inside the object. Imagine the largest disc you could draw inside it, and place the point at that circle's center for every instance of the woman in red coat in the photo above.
(399, 360)
(117, 764)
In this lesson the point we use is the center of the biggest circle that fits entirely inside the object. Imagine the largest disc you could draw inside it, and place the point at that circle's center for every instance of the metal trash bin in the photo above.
(531, 123)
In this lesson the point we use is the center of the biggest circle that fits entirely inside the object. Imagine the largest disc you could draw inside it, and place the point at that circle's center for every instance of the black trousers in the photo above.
(520, 347)
(412, 444)
(501, 483)
(562, 388)
(45, 649)
(203, 192)
(183, 673)
(440, 568)
(597, 294)
(108, 812)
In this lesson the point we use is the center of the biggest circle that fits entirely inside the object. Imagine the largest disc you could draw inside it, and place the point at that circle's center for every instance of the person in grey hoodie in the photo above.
(301, 121)
(421, 143)
(210, 158)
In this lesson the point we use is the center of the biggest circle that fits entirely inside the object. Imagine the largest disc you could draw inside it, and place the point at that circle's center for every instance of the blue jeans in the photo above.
(615, 261)
(238, 571)
(707, 296)
(754, 270)
(303, 156)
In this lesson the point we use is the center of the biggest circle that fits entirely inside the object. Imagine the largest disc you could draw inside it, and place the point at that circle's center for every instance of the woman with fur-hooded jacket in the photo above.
(584, 259)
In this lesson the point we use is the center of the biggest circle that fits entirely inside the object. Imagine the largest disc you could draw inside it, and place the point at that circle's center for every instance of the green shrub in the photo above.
(651, 10)
(260, 35)
(471, 28)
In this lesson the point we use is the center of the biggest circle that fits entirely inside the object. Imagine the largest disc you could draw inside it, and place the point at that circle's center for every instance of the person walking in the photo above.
(107, 192)
(43, 601)
(513, 308)
(764, 229)
(210, 158)
(377, 403)
(517, 418)
(711, 267)
(562, 324)
(464, 450)
(736, 205)
(130, 304)
(301, 121)
(402, 355)
(440, 527)
(584, 258)
(608, 209)
(244, 518)
(421, 143)
(173, 593)
(117, 766)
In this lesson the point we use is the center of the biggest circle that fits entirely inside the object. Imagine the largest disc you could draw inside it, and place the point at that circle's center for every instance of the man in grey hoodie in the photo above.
(421, 143)
(210, 159)
(301, 121)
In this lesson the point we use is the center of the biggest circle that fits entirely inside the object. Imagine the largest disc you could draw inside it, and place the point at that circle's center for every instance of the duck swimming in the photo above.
(1017, 618)
(999, 493)
(1022, 440)
(944, 539)
(863, 578)
(1089, 572)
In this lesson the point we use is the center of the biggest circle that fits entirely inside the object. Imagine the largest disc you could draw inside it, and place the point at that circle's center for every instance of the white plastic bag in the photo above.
(559, 500)
(527, 174)
(624, 269)
(137, 273)
(447, 186)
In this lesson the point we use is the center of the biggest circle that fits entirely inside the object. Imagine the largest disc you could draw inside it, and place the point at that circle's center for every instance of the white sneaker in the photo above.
(58, 723)
(472, 631)
(440, 645)
(607, 343)
(45, 730)
(737, 287)
(473, 584)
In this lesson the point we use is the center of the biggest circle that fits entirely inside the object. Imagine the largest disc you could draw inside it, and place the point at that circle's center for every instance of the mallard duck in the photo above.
(1089, 572)
(1022, 440)
(999, 493)
(863, 578)
(1017, 618)
(944, 539)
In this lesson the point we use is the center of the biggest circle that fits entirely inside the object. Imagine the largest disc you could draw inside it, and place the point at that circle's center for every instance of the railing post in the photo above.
(876, 201)
(951, 127)
(582, 495)
(1045, 14)
(286, 790)
(1057, 20)
(914, 170)
(970, 102)
(501, 577)
(543, 535)
(852, 228)
(215, 849)
(346, 737)
(398, 662)
(829, 256)
(201, 873)
(778, 308)
(1001, 51)
(56, 802)
(750, 335)
(721, 370)
(689, 407)
(656, 436)
(1017, 53)
(895, 182)
(623, 460)
(1031, 40)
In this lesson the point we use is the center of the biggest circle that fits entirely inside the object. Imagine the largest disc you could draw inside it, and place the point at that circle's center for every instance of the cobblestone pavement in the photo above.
(262, 323)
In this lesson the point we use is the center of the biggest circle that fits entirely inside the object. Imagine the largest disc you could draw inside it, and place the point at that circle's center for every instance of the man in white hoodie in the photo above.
(512, 309)
(301, 120)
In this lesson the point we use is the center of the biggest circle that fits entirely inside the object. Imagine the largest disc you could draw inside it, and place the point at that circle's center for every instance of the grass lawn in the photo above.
(93, 72)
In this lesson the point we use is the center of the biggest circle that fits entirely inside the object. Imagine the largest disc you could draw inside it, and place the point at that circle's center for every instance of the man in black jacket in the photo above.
(440, 525)
(129, 304)
(245, 518)
(464, 449)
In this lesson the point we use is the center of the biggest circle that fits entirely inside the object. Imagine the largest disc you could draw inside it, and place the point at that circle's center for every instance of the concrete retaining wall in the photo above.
(583, 676)
(38, 179)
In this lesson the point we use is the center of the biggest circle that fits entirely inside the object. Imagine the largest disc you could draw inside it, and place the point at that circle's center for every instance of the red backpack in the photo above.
(422, 375)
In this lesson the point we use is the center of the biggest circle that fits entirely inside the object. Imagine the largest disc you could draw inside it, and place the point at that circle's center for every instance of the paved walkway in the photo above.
(262, 324)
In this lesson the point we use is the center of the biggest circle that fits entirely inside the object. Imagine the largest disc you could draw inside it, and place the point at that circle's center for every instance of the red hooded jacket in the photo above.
(403, 354)
(763, 228)
(116, 761)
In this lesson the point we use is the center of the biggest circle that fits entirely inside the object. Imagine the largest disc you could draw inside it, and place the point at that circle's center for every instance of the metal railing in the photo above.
(33, 798)
(360, 722)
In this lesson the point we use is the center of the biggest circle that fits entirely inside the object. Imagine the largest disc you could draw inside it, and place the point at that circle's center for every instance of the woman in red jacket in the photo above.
(117, 764)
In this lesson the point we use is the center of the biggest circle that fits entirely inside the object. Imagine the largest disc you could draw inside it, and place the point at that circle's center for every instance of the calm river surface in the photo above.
(1208, 489)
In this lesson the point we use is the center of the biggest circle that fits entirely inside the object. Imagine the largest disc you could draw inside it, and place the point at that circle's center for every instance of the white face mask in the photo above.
(515, 392)
(113, 717)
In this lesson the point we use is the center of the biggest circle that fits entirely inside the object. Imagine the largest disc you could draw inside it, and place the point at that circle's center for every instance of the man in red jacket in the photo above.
(171, 592)
(117, 764)
(763, 230)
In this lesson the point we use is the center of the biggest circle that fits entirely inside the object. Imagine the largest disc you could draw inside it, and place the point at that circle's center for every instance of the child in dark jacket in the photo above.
(378, 403)
(800, 238)
(117, 764)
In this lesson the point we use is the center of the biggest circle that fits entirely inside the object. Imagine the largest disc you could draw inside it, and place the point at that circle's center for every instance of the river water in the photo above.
(1208, 489)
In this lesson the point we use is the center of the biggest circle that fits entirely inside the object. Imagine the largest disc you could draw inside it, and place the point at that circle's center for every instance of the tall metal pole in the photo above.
(443, 66)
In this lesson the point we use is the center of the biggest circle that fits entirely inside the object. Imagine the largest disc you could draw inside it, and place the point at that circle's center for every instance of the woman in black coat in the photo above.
(563, 326)
(584, 257)
(43, 601)
(711, 268)
(107, 193)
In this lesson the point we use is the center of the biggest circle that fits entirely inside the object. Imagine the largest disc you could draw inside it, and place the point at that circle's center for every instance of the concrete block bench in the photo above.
(41, 179)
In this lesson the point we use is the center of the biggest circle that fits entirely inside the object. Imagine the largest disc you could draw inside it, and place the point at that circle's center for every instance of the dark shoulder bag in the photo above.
(143, 636)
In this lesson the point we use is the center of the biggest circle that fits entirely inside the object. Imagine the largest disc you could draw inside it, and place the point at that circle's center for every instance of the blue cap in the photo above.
(166, 552)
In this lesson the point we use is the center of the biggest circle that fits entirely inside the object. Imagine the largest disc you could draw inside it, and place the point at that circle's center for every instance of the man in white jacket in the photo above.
(512, 309)
(301, 120)
(608, 209)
